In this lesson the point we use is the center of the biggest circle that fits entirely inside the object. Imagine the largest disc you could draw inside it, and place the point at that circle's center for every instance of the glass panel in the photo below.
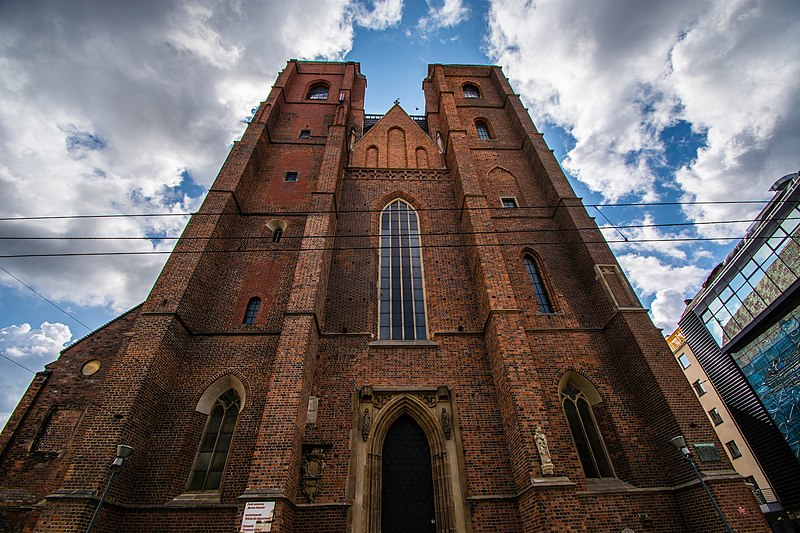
(212, 481)
(791, 222)
(761, 255)
(715, 330)
(777, 241)
(726, 294)
(595, 442)
(230, 420)
(581, 443)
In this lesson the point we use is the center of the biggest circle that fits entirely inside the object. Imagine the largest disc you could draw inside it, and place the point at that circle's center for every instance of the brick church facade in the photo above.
(375, 323)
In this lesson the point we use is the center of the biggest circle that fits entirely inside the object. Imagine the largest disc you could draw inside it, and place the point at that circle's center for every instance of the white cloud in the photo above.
(450, 13)
(384, 14)
(22, 341)
(111, 105)
(669, 285)
(615, 74)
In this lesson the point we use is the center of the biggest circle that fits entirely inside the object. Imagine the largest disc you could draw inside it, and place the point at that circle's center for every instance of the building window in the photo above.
(290, 176)
(252, 310)
(684, 361)
(277, 234)
(699, 388)
(715, 416)
(318, 92)
(538, 285)
(509, 203)
(734, 449)
(305, 134)
(582, 425)
(402, 300)
(213, 451)
(483, 130)
(471, 91)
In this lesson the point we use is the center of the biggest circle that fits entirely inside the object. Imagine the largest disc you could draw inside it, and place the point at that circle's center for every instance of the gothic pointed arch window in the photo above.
(216, 442)
(539, 289)
(402, 295)
(576, 400)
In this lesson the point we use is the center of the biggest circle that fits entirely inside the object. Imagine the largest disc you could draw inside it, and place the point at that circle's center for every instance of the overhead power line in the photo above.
(340, 211)
(366, 235)
(357, 248)
(45, 299)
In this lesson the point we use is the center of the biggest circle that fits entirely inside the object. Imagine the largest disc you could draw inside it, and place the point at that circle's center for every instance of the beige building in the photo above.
(734, 443)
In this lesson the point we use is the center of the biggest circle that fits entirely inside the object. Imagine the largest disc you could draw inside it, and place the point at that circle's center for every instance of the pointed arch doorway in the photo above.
(407, 484)
(398, 432)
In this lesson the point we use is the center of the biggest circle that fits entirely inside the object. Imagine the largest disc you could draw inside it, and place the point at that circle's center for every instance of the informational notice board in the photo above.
(257, 517)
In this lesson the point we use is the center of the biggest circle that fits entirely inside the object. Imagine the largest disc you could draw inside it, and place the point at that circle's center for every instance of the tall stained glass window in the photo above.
(213, 452)
(402, 299)
(538, 285)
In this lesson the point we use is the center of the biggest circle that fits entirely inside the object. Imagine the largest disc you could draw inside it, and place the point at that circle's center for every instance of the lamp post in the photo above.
(123, 451)
(680, 443)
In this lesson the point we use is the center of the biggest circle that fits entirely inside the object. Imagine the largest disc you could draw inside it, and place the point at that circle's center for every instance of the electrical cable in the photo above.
(422, 209)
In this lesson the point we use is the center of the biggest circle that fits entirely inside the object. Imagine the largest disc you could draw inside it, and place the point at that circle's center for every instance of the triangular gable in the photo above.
(396, 141)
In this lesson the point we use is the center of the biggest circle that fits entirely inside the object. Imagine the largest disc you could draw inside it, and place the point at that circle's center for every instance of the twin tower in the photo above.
(376, 324)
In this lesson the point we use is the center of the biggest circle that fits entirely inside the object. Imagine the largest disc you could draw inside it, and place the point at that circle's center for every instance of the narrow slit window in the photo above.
(252, 311)
(734, 449)
(402, 300)
(538, 285)
(215, 444)
(277, 234)
(699, 387)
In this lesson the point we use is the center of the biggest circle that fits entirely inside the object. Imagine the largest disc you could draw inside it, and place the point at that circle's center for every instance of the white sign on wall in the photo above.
(257, 517)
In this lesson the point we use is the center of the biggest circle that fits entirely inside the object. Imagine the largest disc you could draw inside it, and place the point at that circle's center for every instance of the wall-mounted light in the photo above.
(123, 451)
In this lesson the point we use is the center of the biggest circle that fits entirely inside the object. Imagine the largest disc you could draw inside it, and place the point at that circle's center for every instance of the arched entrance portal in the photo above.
(404, 440)
(407, 485)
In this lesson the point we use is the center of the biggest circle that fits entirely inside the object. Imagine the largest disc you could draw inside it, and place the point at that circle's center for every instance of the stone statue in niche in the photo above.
(445, 423)
(439, 141)
(366, 423)
(313, 469)
(544, 452)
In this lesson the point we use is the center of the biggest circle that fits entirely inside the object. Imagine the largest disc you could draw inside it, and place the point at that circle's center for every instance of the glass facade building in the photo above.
(744, 328)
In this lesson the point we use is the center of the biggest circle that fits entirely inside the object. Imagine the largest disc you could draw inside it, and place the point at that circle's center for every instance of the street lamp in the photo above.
(680, 443)
(123, 451)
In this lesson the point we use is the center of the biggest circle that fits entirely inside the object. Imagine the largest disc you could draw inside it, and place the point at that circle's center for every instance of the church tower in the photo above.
(376, 324)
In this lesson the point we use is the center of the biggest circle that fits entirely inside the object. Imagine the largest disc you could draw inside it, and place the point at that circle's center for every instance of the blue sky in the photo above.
(131, 107)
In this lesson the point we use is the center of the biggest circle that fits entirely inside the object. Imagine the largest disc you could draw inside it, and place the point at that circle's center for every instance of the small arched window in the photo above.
(483, 130)
(213, 452)
(252, 310)
(471, 91)
(538, 285)
(318, 91)
(582, 425)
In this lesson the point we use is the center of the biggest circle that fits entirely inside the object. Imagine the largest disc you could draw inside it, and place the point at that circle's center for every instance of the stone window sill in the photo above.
(403, 344)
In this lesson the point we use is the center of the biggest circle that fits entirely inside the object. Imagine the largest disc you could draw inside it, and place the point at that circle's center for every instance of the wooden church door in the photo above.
(407, 485)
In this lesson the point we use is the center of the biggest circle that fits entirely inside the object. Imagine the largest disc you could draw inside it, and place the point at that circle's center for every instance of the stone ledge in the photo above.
(404, 344)
(195, 499)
